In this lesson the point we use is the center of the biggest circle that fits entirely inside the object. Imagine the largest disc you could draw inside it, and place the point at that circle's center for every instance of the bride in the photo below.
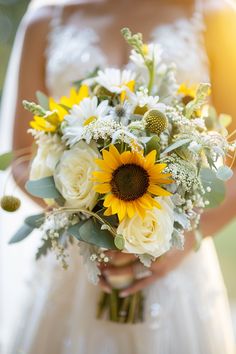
(186, 310)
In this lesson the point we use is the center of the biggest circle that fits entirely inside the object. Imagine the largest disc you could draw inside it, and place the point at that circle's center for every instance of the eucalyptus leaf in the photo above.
(44, 248)
(43, 188)
(199, 100)
(224, 173)
(217, 194)
(176, 145)
(24, 231)
(6, 160)
(225, 120)
(90, 231)
(119, 242)
(35, 221)
(153, 144)
(43, 100)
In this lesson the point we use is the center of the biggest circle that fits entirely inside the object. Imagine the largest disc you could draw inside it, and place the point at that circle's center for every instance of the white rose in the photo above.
(73, 176)
(50, 149)
(151, 235)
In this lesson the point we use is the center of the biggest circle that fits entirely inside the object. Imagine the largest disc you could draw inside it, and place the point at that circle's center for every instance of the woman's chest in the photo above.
(74, 51)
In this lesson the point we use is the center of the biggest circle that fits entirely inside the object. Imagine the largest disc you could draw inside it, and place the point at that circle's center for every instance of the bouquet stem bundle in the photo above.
(121, 310)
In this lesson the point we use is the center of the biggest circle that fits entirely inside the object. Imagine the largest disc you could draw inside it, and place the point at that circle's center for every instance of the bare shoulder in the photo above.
(36, 22)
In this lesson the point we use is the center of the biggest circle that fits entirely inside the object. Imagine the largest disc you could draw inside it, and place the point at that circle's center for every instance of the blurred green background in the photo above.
(11, 12)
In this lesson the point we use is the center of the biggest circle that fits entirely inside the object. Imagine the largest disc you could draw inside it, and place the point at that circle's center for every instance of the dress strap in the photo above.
(57, 16)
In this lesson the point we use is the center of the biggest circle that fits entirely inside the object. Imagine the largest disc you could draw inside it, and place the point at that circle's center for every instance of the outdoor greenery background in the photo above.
(11, 12)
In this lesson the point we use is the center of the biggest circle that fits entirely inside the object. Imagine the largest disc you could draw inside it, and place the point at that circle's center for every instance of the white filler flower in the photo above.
(81, 116)
(151, 235)
(73, 176)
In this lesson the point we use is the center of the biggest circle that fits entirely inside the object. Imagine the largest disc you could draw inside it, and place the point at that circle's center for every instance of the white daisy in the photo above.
(142, 99)
(115, 80)
(121, 113)
(81, 116)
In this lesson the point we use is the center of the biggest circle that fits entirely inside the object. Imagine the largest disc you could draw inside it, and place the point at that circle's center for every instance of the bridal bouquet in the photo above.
(127, 162)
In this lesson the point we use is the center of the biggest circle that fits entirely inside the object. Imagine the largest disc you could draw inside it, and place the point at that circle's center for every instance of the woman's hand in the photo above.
(158, 269)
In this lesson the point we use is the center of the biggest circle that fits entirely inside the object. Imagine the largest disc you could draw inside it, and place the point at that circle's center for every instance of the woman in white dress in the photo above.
(186, 309)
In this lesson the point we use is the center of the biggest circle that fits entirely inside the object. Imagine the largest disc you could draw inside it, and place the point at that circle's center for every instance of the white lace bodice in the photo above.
(72, 53)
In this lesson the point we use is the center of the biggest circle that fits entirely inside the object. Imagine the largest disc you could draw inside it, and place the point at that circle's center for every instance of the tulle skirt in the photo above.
(186, 312)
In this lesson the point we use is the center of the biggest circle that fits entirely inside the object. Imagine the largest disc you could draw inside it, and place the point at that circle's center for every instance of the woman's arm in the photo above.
(31, 79)
(220, 38)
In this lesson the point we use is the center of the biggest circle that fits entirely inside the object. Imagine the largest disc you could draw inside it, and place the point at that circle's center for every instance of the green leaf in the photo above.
(119, 242)
(200, 99)
(43, 250)
(217, 194)
(43, 188)
(153, 144)
(6, 160)
(90, 231)
(224, 173)
(43, 100)
(225, 120)
(21, 234)
(176, 145)
(35, 221)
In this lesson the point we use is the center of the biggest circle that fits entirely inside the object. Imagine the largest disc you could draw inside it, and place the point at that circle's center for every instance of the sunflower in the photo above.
(130, 181)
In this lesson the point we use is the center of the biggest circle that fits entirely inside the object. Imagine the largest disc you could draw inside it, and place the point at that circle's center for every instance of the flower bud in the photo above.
(101, 91)
(10, 203)
(156, 121)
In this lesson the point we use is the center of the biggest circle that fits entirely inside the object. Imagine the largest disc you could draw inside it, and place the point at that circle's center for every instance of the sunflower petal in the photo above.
(110, 159)
(101, 176)
(158, 191)
(102, 188)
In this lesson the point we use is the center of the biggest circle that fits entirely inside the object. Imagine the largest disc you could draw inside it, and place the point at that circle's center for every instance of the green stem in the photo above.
(151, 69)
(114, 306)
(102, 305)
(77, 210)
(124, 310)
(132, 309)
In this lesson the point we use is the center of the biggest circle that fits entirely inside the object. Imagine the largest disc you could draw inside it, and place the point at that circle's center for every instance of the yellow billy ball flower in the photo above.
(156, 121)
(10, 203)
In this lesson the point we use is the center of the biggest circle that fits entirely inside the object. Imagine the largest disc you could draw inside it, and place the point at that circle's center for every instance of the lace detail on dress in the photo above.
(71, 54)
(183, 44)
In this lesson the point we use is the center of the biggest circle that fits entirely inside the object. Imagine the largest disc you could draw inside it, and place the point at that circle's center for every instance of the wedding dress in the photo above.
(186, 312)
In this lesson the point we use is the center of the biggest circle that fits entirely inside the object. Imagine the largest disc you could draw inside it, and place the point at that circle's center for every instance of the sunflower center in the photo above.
(129, 182)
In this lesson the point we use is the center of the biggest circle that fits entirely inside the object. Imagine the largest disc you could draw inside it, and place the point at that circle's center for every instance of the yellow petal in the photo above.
(122, 211)
(158, 190)
(101, 176)
(113, 150)
(150, 159)
(110, 159)
(102, 188)
(103, 165)
(108, 200)
(130, 209)
(107, 212)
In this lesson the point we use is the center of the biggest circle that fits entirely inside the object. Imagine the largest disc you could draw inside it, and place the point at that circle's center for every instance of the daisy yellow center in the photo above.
(89, 120)
(129, 182)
